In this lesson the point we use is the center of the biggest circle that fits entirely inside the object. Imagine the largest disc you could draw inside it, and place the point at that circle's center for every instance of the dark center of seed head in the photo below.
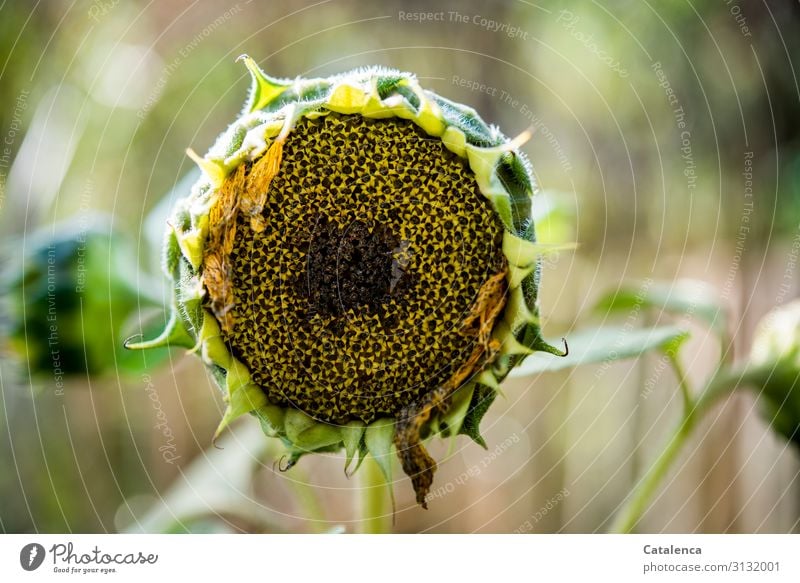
(360, 266)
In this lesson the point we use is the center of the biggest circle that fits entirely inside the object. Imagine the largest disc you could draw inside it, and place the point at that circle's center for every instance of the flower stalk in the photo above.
(375, 515)
(724, 382)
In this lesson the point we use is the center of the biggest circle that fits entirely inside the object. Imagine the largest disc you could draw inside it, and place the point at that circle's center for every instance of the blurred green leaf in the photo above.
(684, 297)
(604, 345)
(217, 483)
(73, 296)
(554, 214)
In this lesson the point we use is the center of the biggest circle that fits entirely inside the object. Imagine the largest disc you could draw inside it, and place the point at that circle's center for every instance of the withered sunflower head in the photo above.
(357, 266)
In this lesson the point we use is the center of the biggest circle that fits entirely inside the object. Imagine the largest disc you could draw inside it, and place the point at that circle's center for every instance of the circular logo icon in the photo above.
(31, 556)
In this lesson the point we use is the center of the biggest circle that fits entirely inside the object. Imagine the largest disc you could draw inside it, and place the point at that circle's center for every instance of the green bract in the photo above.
(357, 266)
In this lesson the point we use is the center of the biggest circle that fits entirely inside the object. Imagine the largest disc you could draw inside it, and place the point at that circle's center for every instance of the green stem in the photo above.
(722, 383)
(299, 486)
(307, 500)
(725, 348)
(630, 515)
(683, 383)
(376, 517)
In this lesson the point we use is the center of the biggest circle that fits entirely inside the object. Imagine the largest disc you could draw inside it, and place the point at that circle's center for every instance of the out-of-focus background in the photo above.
(667, 132)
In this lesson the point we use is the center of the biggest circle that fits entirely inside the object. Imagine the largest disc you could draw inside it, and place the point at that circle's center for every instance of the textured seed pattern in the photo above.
(394, 189)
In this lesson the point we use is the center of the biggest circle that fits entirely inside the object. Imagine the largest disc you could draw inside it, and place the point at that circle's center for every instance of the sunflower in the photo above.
(357, 266)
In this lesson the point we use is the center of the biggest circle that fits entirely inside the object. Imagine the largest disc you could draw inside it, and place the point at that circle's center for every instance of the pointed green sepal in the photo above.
(540, 345)
(362, 454)
(508, 342)
(308, 434)
(263, 88)
(352, 435)
(272, 420)
(243, 399)
(174, 334)
(378, 438)
(516, 275)
(523, 253)
(457, 412)
(213, 170)
(171, 257)
(488, 379)
(482, 399)
(347, 98)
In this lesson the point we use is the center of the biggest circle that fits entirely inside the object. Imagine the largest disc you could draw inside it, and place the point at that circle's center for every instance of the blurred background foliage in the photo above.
(101, 99)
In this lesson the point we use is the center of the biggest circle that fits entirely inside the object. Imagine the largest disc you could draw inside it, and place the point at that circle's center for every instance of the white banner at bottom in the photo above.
(403, 558)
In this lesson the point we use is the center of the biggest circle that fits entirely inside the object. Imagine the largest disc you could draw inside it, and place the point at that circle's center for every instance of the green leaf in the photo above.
(604, 345)
(217, 482)
(685, 297)
(554, 215)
